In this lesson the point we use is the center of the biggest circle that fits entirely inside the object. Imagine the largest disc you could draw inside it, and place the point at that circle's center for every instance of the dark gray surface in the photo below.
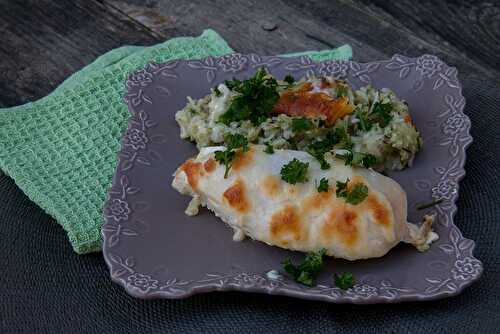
(142, 246)
(74, 293)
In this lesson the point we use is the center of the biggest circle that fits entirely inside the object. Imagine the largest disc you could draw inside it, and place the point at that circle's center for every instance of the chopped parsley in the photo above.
(341, 91)
(226, 158)
(301, 124)
(269, 149)
(348, 157)
(320, 147)
(323, 185)
(344, 281)
(254, 101)
(355, 195)
(382, 113)
(217, 92)
(364, 121)
(295, 171)
(343, 138)
(357, 158)
(289, 79)
(236, 141)
(429, 205)
(368, 160)
(341, 188)
(306, 272)
(233, 142)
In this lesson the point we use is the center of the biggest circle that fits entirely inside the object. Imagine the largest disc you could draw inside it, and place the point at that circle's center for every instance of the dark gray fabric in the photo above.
(45, 287)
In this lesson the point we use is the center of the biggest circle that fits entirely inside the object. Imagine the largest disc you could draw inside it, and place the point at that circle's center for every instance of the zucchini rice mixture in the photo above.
(365, 127)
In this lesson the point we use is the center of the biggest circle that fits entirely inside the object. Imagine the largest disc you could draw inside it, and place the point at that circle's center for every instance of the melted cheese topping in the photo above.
(308, 101)
(236, 197)
(255, 201)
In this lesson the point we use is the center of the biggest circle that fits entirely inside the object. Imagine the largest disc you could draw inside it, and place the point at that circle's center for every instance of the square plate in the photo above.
(154, 250)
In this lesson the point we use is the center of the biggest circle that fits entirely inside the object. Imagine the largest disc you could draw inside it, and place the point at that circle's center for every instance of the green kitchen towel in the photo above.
(61, 150)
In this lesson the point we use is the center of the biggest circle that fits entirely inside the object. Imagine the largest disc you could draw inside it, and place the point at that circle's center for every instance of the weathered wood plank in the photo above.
(240, 23)
(390, 34)
(473, 27)
(301, 25)
(43, 42)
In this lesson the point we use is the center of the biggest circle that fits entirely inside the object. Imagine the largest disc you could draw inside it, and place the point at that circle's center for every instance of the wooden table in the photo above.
(43, 42)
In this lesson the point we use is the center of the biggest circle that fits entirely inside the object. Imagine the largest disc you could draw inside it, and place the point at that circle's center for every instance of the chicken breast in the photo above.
(256, 202)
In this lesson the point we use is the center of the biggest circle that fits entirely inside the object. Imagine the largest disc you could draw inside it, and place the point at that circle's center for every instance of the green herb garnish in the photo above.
(236, 141)
(295, 171)
(429, 205)
(254, 101)
(343, 138)
(355, 195)
(341, 91)
(320, 147)
(344, 281)
(289, 79)
(348, 157)
(364, 121)
(323, 185)
(269, 149)
(217, 92)
(382, 113)
(301, 124)
(306, 272)
(341, 188)
(369, 160)
(358, 159)
(232, 142)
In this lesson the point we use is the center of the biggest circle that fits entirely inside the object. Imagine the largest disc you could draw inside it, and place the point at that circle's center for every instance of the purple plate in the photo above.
(154, 250)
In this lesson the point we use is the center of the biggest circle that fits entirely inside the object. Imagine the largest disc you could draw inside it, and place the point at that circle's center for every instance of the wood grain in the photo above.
(43, 42)
(472, 27)
(372, 30)
(241, 23)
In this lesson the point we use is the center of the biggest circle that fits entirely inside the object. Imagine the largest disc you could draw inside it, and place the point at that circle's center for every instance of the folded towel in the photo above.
(61, 150)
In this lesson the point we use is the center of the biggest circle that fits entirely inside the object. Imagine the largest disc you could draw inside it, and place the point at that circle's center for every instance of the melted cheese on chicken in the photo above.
(256, 202)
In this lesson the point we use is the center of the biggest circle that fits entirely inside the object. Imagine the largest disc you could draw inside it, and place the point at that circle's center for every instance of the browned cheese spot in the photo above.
(243, 159)
(210, 165)
(193, 171)
(317, 201)
(236, 197)
(271, 186)
(341, 223)
(287, 223)
(379, 210)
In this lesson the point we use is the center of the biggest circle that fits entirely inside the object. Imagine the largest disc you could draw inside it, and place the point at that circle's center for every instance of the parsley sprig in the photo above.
(255, 99)
(380, 114)
(289, 79)
(233, 142)
(269, 149)
(306, 272)
(358, 158)
(301, 124)
(320, 147)
(323, 185)
(355, 195)
(295, 171)
(344, 281)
